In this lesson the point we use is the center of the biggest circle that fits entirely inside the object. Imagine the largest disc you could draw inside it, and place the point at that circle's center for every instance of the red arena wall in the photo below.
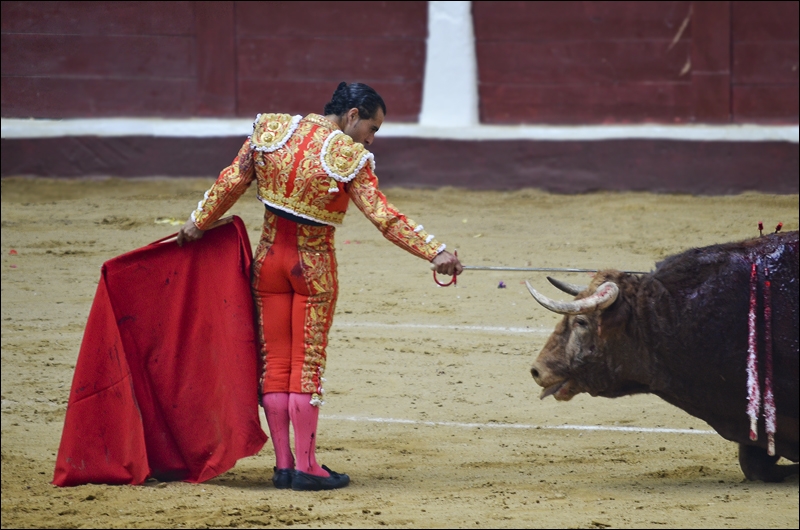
(222, 59)
(538, 62)
(637, 62)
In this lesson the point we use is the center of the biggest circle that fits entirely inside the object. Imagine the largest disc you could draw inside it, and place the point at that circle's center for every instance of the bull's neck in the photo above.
(632, 365)
(633, 360)
(671, 371)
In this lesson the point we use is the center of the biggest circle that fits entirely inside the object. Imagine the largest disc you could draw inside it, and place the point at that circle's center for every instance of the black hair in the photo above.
(355, 95)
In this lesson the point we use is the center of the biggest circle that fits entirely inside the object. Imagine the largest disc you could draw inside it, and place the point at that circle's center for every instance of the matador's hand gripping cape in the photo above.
(309, 168)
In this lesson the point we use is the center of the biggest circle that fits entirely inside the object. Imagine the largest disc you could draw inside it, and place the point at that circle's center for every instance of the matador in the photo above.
(307, 170)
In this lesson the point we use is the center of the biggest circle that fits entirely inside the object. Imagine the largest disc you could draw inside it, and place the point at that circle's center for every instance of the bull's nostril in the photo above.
(534, 373)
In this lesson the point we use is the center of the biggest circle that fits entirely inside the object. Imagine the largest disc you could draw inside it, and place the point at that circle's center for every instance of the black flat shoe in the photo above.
(282, 478)
(305, 482)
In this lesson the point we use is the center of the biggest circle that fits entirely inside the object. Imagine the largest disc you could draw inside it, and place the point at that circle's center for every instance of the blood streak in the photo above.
(753, 393)
(769, 398)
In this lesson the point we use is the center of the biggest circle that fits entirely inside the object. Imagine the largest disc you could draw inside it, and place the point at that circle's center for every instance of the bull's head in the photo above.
(589, 349)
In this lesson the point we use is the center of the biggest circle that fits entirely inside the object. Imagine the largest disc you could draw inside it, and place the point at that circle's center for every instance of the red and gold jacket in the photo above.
(309, 168)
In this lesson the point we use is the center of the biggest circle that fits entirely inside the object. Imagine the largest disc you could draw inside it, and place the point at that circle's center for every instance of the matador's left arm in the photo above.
(232, 182)
(396, 227)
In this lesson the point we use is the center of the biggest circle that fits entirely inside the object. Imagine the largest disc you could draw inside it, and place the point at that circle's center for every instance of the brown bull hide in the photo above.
(681, 332)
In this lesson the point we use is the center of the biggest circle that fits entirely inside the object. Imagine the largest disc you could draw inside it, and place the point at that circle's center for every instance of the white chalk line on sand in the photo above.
(495, 329)
(660, 430)
(491, 329)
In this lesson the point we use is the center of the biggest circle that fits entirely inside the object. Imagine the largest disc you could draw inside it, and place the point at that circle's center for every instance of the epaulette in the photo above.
(342, 158)
(272, 131)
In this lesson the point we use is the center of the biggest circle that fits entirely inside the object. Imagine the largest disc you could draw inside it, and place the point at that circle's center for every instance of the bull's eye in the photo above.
(581, 322)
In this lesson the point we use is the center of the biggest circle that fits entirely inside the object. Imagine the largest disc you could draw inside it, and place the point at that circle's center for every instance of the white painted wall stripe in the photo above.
(689, 132)
(659, 430)
(490, 329)
(13, 128)
(450, 86)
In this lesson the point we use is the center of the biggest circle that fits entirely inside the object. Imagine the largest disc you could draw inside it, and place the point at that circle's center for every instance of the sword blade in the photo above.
(538, 269)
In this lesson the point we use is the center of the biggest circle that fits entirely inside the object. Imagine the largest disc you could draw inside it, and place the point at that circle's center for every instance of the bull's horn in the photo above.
(569, 288)
(603, 297)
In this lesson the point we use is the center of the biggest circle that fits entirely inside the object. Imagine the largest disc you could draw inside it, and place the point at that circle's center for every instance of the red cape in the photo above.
(166, 382)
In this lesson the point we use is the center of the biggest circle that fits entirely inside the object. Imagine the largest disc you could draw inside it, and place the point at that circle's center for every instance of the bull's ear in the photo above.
(613, 317)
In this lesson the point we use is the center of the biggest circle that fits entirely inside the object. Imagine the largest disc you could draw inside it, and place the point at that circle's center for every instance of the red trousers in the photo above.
(295, 289)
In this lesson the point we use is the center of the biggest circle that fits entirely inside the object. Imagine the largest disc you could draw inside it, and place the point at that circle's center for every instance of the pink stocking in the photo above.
(304, 417)
(276, 408)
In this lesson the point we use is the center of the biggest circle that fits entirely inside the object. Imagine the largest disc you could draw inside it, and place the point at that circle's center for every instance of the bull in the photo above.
(685, 332)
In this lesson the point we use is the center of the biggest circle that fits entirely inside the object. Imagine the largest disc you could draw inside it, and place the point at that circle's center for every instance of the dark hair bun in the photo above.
(355, 95)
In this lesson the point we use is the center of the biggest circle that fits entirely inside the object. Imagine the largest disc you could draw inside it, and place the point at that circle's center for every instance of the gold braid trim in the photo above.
(272, 131)
(342, 157)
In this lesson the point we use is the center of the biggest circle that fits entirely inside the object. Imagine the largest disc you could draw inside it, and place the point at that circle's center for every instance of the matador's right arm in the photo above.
(394, 226)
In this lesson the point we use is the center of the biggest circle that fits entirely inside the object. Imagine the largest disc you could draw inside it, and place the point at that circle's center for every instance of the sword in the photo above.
(536, 269)
(514, 269)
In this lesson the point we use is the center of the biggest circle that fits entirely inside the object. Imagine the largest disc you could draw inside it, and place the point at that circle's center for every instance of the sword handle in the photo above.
(453, 280)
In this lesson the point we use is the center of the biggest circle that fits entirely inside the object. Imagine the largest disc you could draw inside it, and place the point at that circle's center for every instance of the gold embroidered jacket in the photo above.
(311, 169)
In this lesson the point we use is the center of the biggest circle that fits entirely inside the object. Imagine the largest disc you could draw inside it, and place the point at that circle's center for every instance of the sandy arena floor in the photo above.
(431, 408)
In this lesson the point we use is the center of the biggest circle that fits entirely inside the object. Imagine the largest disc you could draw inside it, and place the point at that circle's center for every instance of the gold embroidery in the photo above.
(321, 120)
(232, 182)
(268, 234)
(315, 238)
(303, 210)
(394, 226)
(271, 130)
(342, 157)
(293, 178)
(319, 271)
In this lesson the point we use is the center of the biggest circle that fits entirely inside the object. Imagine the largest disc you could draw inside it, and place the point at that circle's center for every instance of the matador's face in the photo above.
(361, 130)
